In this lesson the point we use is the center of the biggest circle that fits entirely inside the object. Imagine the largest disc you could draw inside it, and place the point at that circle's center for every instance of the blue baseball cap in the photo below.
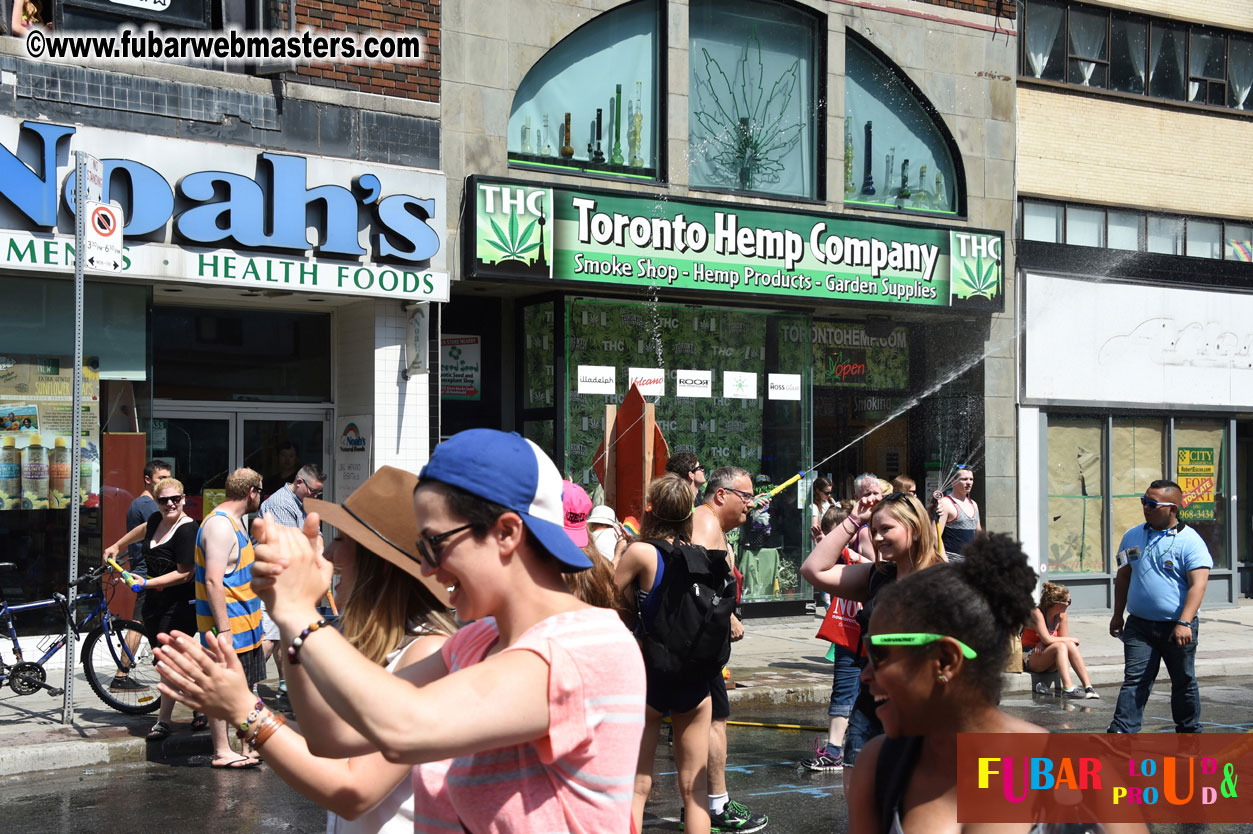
(507, 469)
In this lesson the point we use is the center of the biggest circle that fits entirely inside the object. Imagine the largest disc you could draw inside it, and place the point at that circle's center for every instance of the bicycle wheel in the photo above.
(120, 667)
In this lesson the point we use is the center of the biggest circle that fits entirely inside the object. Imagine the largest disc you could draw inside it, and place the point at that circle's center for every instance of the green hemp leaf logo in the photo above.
(514, 245)
(981, 279)
(454, 353)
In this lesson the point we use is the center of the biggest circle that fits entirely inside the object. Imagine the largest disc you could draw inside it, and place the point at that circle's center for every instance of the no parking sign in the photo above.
(102, 243)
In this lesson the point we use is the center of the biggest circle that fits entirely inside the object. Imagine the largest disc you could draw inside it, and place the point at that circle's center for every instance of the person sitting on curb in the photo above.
(1047, 644)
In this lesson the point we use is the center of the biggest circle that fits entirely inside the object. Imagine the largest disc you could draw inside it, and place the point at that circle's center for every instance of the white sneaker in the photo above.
(1091, 694)
(1042, 688)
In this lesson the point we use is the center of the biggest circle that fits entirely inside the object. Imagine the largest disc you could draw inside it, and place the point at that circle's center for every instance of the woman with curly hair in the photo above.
(935, 671)
(1047, 644)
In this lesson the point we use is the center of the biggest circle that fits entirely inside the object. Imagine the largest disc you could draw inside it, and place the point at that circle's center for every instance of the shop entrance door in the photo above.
(205, 443)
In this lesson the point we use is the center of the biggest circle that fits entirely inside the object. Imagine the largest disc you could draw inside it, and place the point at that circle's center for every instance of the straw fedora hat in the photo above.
(379, 517)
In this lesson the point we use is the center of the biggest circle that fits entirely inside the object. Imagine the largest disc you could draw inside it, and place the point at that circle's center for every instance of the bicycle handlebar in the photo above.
(91, 575)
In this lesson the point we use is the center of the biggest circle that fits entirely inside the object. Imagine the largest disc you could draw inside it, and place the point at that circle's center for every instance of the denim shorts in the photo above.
(860, 730)
(845, 683)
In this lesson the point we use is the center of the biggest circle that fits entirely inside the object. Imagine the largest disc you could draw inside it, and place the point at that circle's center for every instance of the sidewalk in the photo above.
(778, 662)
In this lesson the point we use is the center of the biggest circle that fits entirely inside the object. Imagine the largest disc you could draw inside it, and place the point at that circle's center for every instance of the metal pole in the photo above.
(76, 431)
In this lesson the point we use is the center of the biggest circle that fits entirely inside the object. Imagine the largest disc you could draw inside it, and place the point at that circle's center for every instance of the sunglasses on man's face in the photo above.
(877, 647)
(1150, 504)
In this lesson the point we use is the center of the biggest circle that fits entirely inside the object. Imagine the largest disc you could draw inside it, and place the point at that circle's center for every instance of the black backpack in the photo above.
(690, 636)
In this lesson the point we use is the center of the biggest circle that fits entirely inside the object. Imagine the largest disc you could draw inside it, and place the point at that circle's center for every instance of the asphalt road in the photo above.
(186, 795)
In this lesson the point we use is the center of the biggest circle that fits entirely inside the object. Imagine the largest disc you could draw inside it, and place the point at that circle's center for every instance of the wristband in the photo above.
(1184, 623)
(293, 651)
(268, 728)
(855, 527)
(251, 720)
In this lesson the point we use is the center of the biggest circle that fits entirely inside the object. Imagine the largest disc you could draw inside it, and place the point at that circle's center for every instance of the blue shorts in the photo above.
(860, 730)
(667, 694)
(845, 683)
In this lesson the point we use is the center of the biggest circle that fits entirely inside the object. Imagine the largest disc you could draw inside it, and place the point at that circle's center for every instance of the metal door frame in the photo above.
(235, 413)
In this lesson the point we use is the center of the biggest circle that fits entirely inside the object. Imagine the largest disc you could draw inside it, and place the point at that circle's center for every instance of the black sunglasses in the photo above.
(429, 546)
(897, 496)
(169, 499)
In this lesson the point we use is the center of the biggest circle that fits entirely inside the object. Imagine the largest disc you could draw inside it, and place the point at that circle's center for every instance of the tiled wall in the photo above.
(369, 356)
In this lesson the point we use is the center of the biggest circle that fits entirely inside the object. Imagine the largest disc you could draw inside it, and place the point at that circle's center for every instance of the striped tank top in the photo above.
(243, 607)
(961, 529)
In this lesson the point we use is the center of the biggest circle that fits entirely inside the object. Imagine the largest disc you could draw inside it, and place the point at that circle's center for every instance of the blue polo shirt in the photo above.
(1159, 572)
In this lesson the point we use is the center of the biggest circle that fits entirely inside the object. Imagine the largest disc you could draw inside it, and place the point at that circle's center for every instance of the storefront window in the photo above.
(1201, 472)
(591, 103)
(538, 387)
(728, 385)
(207, 354)
(754, 116)
(36, 432)
(1076, 501)
(897, 153)
(1137, 458)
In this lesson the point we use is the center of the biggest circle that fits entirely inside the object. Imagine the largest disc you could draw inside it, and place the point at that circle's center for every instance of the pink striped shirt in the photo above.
(578, 778)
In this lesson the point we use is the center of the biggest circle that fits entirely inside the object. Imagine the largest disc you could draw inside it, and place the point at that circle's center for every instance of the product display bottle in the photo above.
(545, 143)
(636, 132)
(616, 157)
(850, 187)
(10, 475)
(594, 151)
(941, 198)
(84, 473)
(59, 475)
(904, 192)
(887, 173)
(35, 475)
(527, 148)
(567, 150)
(867, 182)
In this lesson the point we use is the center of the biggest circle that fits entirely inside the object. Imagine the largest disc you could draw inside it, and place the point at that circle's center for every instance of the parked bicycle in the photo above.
(116, 656)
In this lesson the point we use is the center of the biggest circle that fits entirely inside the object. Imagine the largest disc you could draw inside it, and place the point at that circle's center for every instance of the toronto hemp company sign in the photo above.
(548, 234)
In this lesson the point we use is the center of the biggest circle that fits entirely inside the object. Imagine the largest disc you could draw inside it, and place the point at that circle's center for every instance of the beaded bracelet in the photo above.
(294, 649)
(266, 718)
(268, 728)
(250, 721)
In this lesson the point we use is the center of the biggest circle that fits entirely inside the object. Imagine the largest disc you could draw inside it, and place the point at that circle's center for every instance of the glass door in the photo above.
(205, 444)
(200, 449)
(278, 444)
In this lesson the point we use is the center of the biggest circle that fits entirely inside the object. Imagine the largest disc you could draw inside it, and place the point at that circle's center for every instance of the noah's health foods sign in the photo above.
(219, 214)
(549, 234)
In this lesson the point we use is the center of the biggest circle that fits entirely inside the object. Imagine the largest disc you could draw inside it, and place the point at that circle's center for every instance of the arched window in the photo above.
(754, 120)
(601, 81)
(898, 153)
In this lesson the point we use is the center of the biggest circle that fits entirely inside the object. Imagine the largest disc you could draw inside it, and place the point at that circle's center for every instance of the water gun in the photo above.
(772, 493)
(133, 582)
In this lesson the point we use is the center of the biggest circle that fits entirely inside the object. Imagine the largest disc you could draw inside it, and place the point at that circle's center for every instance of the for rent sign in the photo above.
(533, 232)
(1196, 478)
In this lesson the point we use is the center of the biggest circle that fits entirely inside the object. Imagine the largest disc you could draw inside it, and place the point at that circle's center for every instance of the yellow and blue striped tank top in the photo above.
(243, 607)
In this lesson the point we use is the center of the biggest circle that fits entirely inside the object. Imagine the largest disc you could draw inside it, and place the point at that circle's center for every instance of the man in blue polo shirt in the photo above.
(1163, 569)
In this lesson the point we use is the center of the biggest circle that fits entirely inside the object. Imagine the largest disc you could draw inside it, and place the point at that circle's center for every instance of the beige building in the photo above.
(1136, 221)
(786, 221)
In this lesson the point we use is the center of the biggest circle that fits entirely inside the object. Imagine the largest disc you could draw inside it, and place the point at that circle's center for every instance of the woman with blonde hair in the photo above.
(393, 617)
(1047, 644)
(639, 573)
(169, 596)
(904, 542)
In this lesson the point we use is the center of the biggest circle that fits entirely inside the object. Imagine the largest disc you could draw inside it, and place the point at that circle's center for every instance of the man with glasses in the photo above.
(225, 601)
(1163, 569)
(728, 500)
(287, 507)
(687, 466)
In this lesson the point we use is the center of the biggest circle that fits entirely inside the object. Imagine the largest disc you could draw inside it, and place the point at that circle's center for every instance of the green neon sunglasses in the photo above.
(913, 638)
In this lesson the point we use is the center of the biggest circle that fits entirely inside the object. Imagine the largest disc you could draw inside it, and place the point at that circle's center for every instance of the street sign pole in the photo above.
(87, 175)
